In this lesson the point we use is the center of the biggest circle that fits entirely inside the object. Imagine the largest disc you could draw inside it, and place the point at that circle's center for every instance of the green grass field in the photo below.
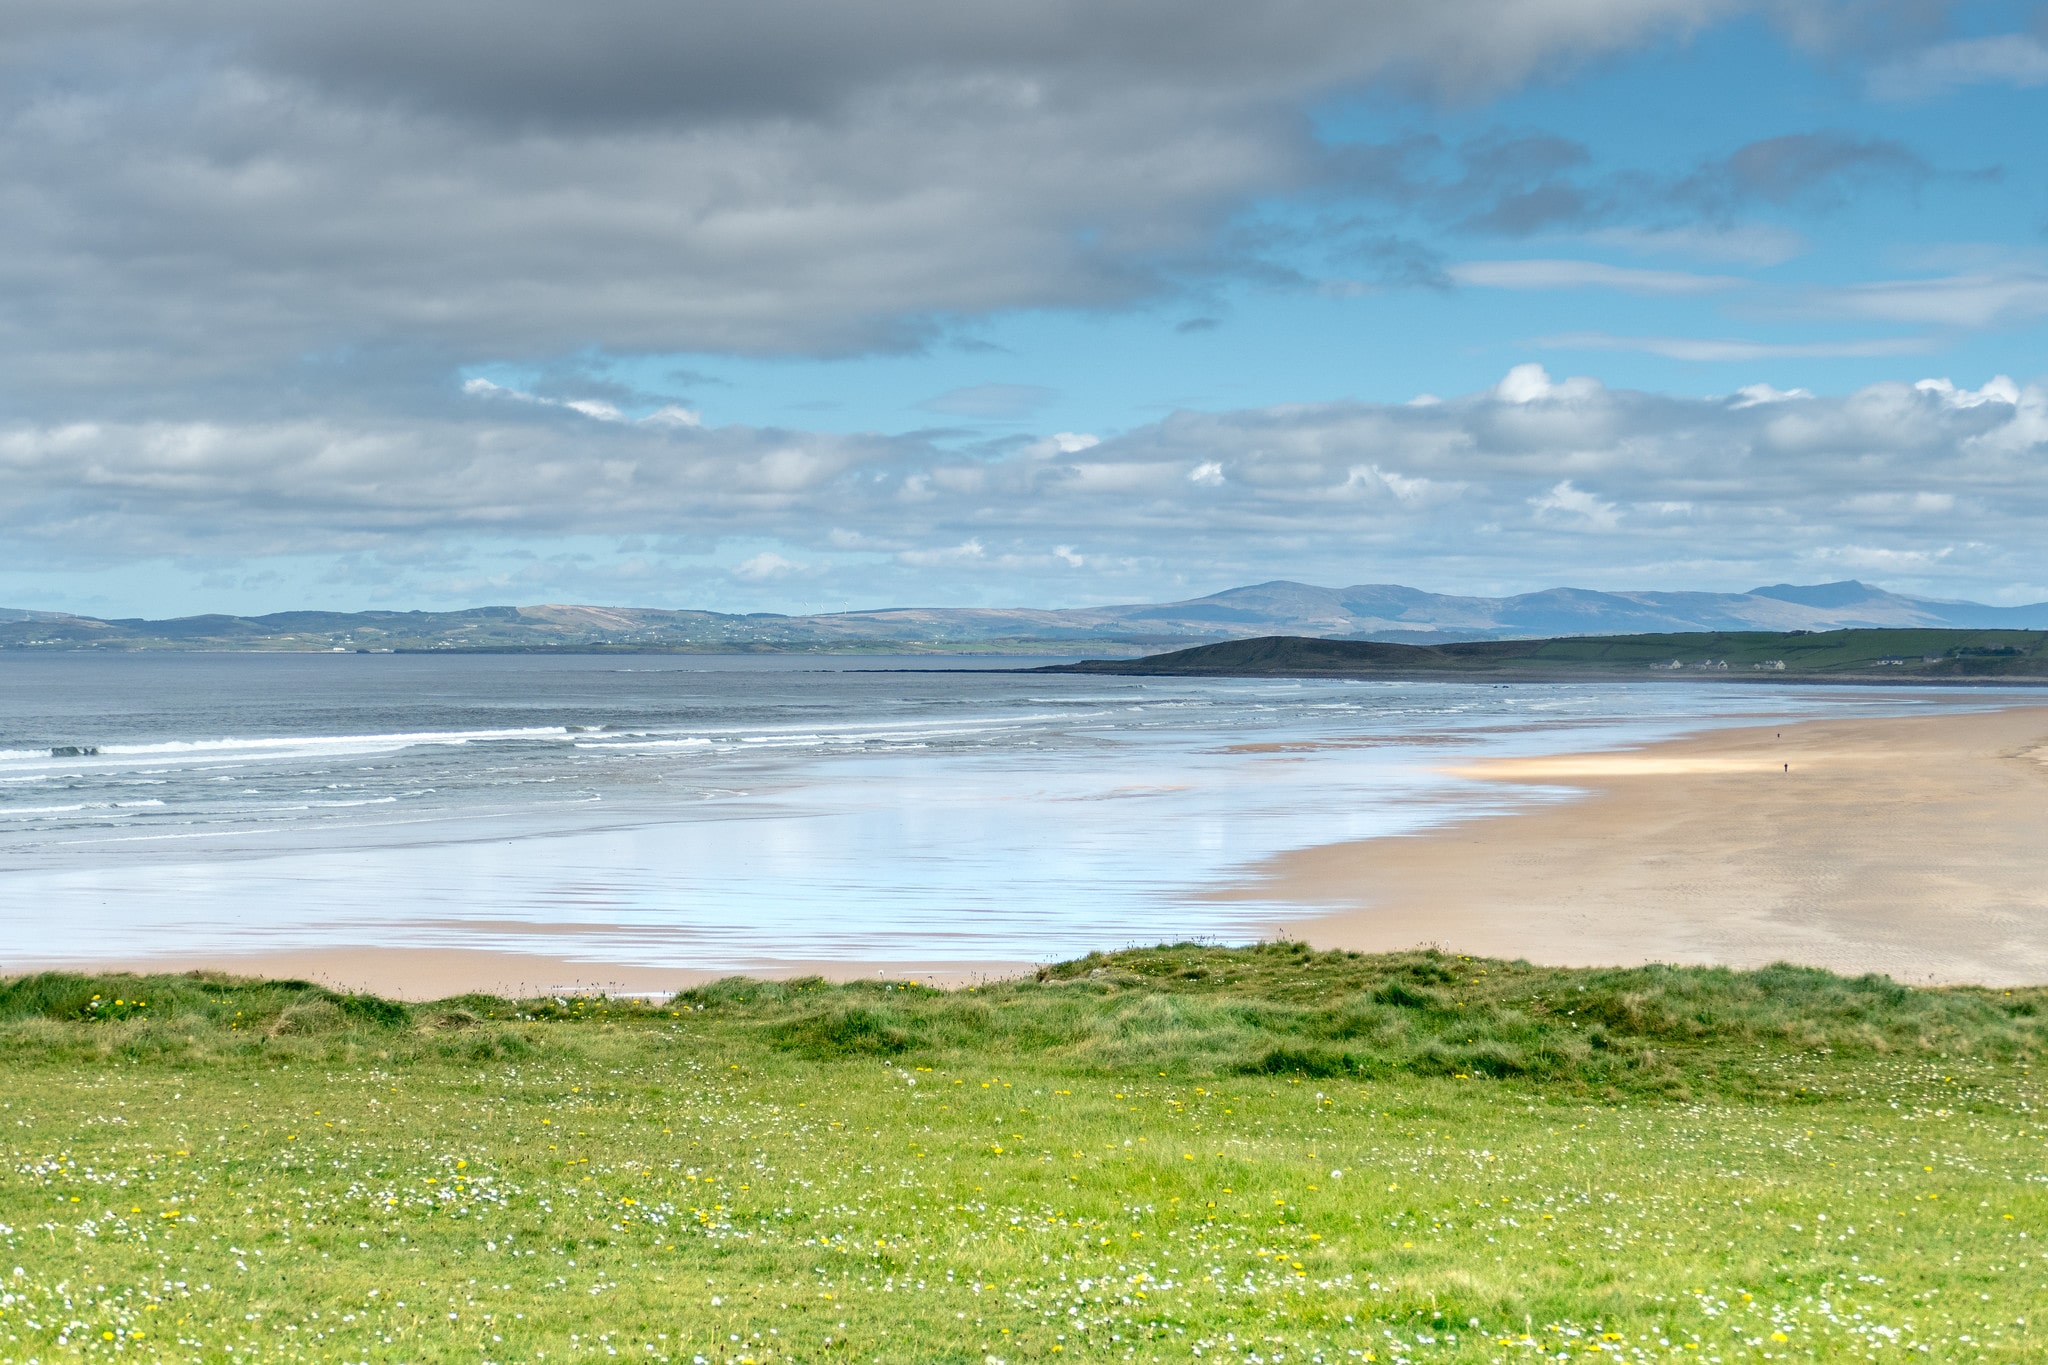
(1254, 1155)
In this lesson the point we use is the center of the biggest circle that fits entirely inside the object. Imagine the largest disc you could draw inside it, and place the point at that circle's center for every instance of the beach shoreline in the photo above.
(1915, 847)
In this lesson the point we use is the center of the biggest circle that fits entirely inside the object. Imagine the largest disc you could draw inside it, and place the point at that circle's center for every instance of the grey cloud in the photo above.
(243, 247)
(991, 400)
(2014, 59)
(1518, 187)
(1520, 184)
(138, 254)
(1820, 167)
(1399, 261)
(201, 198)
(637, 60)
(137, 489)
(1595, 484)
(1497, 182)
(1862, 29)
(577, 379)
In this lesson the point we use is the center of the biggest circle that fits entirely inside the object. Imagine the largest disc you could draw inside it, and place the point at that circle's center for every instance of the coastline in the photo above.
(1916, 847)
(1913, 846)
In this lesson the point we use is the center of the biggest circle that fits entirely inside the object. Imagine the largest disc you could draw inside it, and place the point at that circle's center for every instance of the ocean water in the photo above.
(731, 813)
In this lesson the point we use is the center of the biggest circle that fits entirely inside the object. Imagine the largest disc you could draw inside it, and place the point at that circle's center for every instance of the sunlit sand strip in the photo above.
(437, 973)
(1574, 766)
(1916, 847)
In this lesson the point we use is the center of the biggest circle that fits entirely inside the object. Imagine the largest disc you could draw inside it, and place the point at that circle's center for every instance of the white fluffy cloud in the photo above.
(1591, 482)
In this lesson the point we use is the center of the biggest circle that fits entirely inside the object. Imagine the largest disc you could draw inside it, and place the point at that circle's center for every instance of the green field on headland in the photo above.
(1260, 1155)
(1833, 655)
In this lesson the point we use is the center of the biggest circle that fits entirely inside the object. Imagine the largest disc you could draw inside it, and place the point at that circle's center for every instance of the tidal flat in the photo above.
(1261, 1154)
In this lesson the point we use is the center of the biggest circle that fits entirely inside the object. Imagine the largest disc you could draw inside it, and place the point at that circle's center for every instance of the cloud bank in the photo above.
(1934, 482)
(250, 253)
(195, 191)
(208, 196)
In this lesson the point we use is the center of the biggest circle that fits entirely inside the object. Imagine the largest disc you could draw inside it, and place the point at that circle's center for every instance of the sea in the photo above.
(737, 813)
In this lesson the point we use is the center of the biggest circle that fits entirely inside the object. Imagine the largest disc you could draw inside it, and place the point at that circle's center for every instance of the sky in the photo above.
(806, 305)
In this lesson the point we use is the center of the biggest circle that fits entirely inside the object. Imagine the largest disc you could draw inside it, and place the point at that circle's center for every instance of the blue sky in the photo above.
(1981, 203)
(1046, 308)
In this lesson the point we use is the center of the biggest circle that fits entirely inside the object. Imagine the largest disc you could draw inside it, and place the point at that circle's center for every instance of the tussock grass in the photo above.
(1184, 1009)
(1283, 1008)
(203, 999)
(200, 1017)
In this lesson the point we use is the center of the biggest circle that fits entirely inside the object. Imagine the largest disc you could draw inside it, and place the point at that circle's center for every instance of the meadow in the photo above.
(1186, 1153)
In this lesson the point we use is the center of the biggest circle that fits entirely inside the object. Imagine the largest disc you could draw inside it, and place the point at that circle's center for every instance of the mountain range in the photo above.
(1379, 611)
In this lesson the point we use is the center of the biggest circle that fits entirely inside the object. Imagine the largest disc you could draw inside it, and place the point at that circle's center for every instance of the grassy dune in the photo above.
(1183, 1153)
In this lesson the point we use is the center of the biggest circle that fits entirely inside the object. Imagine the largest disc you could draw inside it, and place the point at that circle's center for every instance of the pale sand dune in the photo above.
(1915, 847)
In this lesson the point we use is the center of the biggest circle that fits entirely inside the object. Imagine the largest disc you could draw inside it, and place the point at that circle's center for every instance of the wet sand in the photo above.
(1914, 847)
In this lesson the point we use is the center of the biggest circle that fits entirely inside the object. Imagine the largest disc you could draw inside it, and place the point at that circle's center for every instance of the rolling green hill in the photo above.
(1837, 655)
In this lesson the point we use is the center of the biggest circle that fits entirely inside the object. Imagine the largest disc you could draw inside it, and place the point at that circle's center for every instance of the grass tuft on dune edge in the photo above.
(1185, 1152)
(1187, 1009)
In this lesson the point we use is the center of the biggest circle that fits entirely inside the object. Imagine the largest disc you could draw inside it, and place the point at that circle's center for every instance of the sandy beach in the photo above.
(1914, 847)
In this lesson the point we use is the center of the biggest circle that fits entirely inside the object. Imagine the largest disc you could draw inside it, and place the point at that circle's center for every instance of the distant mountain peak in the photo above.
(1847, 593)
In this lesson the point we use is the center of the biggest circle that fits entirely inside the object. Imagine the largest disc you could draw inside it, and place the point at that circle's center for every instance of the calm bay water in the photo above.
(727, 812)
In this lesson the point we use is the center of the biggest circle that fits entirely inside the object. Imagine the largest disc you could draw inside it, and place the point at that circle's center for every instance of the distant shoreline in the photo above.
(1868, 657)
(1884, 656)
(1376, 612)
(896, 649)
